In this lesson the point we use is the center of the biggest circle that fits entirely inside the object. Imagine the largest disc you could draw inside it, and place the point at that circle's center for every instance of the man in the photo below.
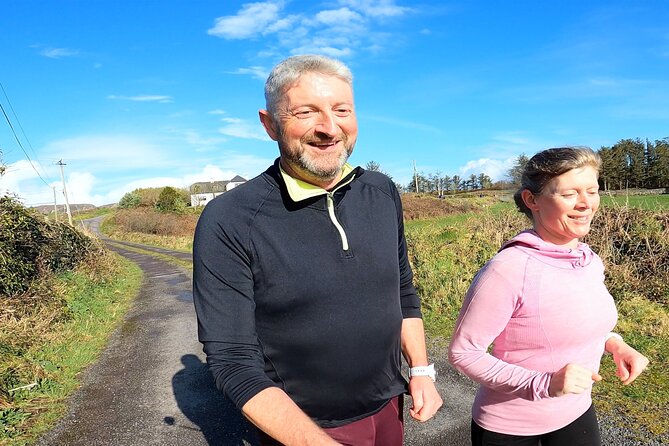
(302, 284)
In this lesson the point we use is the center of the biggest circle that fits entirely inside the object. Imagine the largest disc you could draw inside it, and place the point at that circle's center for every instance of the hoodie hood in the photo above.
(559, 256)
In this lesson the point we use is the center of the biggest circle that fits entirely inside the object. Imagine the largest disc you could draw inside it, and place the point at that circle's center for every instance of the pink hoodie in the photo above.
(542, 307)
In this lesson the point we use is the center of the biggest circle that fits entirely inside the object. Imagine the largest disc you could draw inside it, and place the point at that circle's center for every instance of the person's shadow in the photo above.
(202, 403)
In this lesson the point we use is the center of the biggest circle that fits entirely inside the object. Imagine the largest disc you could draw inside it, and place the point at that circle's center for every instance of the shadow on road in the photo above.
(201, 402)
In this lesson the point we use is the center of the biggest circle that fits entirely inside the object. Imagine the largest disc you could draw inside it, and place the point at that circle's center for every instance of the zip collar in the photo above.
(299, 190)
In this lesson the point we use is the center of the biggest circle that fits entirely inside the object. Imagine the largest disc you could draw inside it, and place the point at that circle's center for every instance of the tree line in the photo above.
(630, 163)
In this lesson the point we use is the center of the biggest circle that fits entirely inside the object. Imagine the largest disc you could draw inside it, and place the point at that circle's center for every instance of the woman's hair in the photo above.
(288, 72)
(550, 163)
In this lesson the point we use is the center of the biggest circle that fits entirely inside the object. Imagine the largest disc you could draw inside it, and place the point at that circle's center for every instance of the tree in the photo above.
(662, 167)
(456, 183)
(651, 163)
(472, 182)
(376, 167)
(171, 200)
(2, 165)
(515, 174)
(485, 182)
(129, 200)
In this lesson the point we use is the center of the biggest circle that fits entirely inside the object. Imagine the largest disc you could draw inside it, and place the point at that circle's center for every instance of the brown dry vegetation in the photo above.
(420, 206)
(151, 221)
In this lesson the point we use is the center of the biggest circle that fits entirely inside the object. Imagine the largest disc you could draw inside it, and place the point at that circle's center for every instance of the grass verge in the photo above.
(45, 347)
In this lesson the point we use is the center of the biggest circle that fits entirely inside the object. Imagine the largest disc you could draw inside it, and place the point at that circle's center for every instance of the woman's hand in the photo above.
(629, 362)
(572, 378)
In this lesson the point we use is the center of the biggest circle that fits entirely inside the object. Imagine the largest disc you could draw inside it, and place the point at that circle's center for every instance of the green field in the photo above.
(637, 201)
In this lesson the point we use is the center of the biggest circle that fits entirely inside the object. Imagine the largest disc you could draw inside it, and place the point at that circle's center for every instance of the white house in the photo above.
(203, 192)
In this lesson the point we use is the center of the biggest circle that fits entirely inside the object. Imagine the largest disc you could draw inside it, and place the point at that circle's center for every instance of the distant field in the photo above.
(637, 201)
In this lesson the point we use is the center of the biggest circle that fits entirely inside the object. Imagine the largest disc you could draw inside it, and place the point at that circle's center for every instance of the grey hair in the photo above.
(551, 163)
(288, 72)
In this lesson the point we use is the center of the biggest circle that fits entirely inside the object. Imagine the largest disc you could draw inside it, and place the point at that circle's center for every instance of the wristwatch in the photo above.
(426, 370)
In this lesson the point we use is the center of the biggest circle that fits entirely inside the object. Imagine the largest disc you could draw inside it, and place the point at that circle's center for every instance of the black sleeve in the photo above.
(224, 303)
(408, 296)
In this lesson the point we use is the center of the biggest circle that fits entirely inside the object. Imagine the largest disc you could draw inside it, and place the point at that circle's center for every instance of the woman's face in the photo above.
(563, 211)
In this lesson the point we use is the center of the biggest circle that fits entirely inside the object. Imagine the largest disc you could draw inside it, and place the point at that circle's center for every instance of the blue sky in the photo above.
(139, 93)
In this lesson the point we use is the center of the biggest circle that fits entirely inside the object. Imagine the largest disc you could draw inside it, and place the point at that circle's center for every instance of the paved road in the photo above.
(151, 385)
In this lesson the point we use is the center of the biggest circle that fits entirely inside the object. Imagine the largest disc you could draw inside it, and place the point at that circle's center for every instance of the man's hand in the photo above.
(425, 398)
(572, 378)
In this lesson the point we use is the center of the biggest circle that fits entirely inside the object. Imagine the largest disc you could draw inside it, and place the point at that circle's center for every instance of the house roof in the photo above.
(206, 187)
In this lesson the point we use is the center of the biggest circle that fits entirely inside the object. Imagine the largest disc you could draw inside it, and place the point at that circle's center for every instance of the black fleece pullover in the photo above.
(280, 302)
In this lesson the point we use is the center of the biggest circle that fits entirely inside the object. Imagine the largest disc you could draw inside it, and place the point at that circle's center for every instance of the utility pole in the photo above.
(55, 203)
(415, 176)
(67, 203)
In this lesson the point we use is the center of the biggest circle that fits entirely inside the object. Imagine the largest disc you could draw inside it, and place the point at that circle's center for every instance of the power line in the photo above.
(19, 142)
(18, 121)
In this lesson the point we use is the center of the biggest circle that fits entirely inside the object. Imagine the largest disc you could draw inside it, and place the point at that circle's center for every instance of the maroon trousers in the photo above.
(385, 428)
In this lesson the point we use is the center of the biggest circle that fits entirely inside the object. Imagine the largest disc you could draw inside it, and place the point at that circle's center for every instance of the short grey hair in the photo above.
(551, 163)
(288, 72)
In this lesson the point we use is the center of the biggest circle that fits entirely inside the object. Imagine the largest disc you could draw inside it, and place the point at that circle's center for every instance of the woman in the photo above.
(541, 302)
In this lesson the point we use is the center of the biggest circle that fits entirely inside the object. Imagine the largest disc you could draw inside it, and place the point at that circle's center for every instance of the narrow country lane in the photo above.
(151, 385)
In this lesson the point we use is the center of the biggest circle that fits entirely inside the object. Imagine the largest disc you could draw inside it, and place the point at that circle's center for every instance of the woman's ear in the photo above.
(529, 199)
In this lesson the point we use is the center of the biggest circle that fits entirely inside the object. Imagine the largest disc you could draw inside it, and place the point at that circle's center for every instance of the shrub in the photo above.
(31, 247)
(170, 200)
(129, 200)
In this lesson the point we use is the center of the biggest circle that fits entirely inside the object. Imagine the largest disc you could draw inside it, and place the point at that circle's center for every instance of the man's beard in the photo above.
(314, 165)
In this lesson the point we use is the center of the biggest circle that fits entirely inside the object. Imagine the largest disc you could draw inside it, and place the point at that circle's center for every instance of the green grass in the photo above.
(50, 361)
(651, 202)
(167, 258)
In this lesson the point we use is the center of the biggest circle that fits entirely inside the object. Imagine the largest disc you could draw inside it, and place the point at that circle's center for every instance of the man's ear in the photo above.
(269, 124)
(529, 199)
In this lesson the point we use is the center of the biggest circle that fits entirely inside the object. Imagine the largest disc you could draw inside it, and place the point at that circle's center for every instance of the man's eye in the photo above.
(569, 195)
(343, 111)
(303, 114)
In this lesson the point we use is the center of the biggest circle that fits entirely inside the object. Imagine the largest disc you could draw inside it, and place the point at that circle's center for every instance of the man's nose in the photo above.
(326, 123)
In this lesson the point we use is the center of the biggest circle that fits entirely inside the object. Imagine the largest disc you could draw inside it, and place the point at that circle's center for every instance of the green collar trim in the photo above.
(301, 190)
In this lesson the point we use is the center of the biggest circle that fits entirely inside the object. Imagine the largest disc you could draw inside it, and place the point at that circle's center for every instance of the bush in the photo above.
(31, 247)
(170, 200)
(130, 200)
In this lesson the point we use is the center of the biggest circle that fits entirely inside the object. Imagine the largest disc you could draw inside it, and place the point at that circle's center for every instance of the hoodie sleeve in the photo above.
(487, 309)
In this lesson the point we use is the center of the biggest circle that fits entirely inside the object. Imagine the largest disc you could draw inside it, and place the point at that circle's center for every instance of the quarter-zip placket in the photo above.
(335, 222)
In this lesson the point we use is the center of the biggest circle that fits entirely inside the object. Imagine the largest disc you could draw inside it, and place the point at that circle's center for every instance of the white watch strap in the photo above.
(426, 370)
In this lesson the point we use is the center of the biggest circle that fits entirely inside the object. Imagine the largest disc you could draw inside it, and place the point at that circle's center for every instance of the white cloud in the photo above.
(377, 8)
(338, 32)
(255, 71)
(144, 98)
(495, 169)
(339, 17)
(106, 151)
(240, 128)
(57, 53)
(251, 20)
